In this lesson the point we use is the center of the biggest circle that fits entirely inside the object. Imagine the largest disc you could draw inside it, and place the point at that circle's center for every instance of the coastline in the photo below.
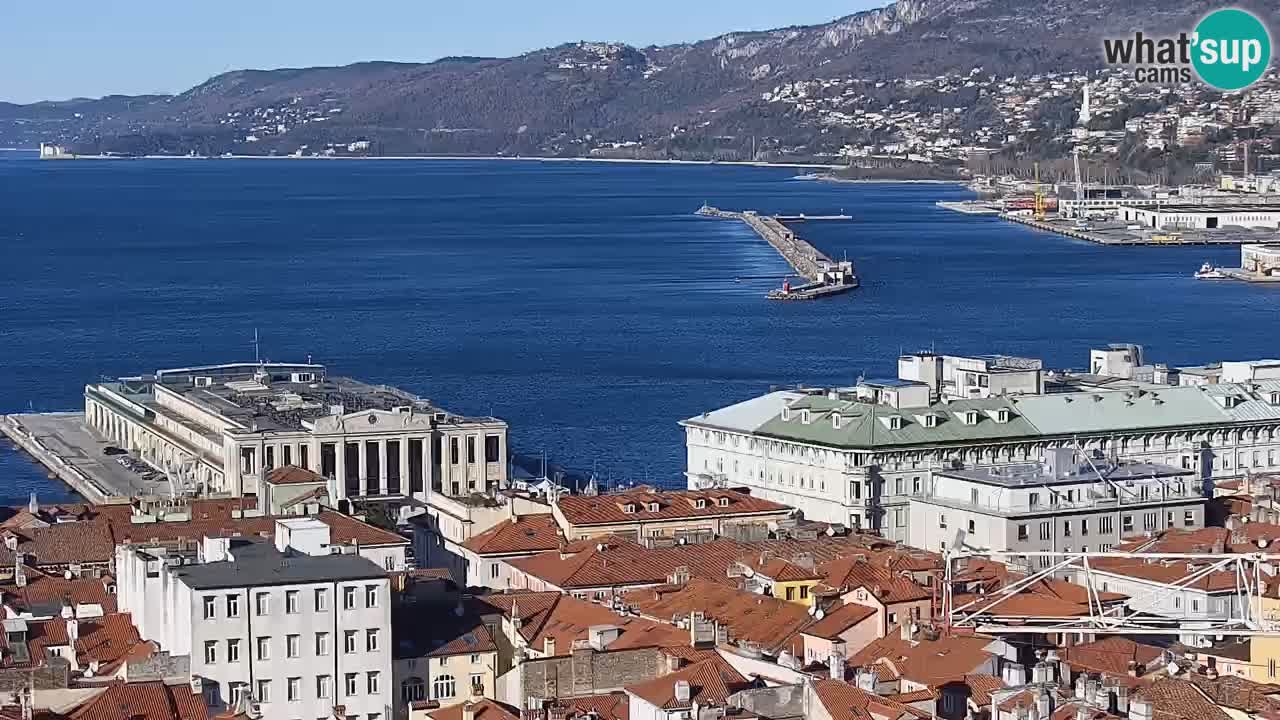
(628, 161)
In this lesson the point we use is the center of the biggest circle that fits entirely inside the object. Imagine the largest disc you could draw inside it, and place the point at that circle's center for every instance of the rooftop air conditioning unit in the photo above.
(204, 381)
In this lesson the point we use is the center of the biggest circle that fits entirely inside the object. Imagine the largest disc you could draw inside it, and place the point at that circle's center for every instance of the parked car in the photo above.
(113, 450)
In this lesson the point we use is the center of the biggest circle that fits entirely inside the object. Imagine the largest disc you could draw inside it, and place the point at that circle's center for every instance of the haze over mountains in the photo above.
(699, 98)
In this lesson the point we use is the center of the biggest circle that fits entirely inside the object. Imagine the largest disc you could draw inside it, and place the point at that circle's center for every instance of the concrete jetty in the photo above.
(826, 277)
(1118, 234)
(63, 444)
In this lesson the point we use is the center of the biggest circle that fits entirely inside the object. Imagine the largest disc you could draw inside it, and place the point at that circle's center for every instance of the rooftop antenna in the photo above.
(257, 356)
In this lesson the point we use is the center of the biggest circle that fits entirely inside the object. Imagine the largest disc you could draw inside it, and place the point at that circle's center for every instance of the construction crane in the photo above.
(1040, 203)
(1075, 159)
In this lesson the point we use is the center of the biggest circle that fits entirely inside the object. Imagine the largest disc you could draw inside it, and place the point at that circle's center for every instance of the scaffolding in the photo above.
(1243, 616)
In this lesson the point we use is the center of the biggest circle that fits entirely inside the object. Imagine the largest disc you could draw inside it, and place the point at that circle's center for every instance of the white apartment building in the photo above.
(290, 627)
(859, 455)
(1066, 504)
(221, 428)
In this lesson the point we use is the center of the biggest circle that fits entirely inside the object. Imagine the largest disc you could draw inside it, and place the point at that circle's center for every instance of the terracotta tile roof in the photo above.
(1172, 698)
(843, 701)
(750, 617)
(47, 592)
(1070, 711)
(779, 569)
(1023, 604)
(1111, 656)
(484, 708)
(143, 701)
(564, 618)
(343, 529)
(1238, 693)
(928, 662)
(840, 619)
(109, 640)
(609, 706)
(981, 686)
(711, 682)
(524, 534)
(294, 475)
(609, 509)
(447, 634)
(914, 696)
(582, 564)
(851, 572)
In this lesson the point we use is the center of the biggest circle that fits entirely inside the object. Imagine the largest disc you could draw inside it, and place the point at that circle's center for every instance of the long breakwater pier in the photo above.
(825, 276)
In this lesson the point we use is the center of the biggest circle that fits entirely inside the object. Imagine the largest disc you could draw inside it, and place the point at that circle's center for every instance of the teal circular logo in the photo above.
(1232, 49)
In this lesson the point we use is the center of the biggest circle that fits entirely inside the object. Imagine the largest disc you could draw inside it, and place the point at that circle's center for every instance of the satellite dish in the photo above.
(1262, 543)
(1172, 669)
(820, 614)
(66, 574)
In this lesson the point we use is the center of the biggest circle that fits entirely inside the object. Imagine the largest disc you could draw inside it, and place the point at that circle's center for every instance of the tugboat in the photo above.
(1208, 272)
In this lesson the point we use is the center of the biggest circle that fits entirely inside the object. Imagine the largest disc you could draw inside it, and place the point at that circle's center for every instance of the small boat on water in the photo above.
(1209, 272)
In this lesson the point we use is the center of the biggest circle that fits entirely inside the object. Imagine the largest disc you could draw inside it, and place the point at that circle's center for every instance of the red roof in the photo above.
(524, 534)
(143, 701)
(1173, 698)
(851, 572)
(840, 619)
(46, 590)
(294, 475)
(484, 709)
(711, 682)
(981, 686)
(609, 706)
(610, 509)
(846, 702)
(1111, 656)
(928, 662)
(749, 616)
(564, 618)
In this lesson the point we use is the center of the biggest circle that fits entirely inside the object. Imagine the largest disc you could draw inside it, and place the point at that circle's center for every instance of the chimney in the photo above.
(1133, 668)
(683, 692)
(33, 506)
(1139, 709)
(866, 679)
(835, 665)
(1091, 692)
(673, 663)
(549, 646)
(1122, 700)
(468, 711)
(1083, 712)
(73, 636)
(1080, 686)
(1044, 704)
(1014, 674)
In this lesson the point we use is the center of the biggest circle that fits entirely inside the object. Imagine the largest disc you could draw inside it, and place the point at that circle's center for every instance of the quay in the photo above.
(65, 447)
(1116, 234)
(825, 276)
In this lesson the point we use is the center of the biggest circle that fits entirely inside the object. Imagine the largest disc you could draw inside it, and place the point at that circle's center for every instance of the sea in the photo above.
(582, 302)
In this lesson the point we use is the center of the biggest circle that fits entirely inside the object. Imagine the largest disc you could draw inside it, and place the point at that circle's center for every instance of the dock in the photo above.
(64, 445)
(1115, 234)
(825, 276)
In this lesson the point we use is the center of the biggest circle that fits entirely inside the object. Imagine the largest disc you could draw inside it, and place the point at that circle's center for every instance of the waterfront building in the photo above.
(294, 627)
(860, 455)
(1202, 217)
(1067, 503)
(223, 428)
(676, 516)
(1260, 259)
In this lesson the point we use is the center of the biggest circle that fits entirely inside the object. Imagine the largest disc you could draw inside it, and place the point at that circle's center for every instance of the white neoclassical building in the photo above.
(859, 455)
(221, 428)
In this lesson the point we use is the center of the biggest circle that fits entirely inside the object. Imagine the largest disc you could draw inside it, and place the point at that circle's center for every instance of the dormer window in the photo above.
(804, 416)
(895, 423)
(1275, 399)
(629, 508)
(971, 417)
(654, 507)
(930, 421)
(723, 502)
(786, 414)
(700, 503)
(1002, 415)
(836, 420)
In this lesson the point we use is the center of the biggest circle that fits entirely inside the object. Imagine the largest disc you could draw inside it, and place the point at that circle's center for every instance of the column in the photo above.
(338, 490)
(404, 466)
(380, 482)
(428, 472)
(362, 449)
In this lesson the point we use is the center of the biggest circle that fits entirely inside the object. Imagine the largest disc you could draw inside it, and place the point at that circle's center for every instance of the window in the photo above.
(723, 502)
(1022, 532)
(443, 687)
(233, 650)
(263, 693)
(492, 444)
(348, 598)
(349, 641)
(291, 644)
(1188, 518)
(323, 687)
(915, 485)
(371, 640)
(238, 691)
(791, 593)
(1126, 524)
(413, 690)
(453, 451)
(654, 507)
(262, 604)
(371, 596)
(1046, 530)
(1034, 500)
(210, 652)
(804, 594)
(322, 600)
(942, 522)
(1106, 525)
(493, 570)
(209, 607)
(1084, 526)
(352, 686)
(322, 644)
(233, 606)
(294, 689)
(477, 682)
(699, 503)
(972, 526)
(1271, 667)
(373, 682)
(1066, 528)
(264, 648)
(291, 602)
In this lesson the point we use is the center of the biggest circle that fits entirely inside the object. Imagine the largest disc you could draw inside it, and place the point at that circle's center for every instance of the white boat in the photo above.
(1208, 272)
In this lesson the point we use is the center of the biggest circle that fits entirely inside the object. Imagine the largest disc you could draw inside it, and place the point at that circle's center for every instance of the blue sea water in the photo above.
(582, 302)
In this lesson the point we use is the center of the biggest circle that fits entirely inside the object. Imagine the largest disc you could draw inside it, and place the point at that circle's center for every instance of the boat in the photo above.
(1209, 272)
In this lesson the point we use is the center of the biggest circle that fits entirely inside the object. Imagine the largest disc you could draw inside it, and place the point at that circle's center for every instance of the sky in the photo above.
(100, 47)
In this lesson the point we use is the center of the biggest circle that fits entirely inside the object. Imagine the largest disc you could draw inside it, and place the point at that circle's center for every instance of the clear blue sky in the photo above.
(98, 47)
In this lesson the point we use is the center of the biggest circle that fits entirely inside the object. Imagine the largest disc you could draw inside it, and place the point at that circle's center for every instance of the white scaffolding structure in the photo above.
(1244, 616)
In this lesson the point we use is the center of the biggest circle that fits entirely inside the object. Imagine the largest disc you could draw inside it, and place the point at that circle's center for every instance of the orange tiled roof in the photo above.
(749, 616)
(1172, 698)
(484, 708)
(294, 475)
(524, 534)
(928, 662)
(1111, 656)
(609, 706)
(143, 701)
(1238, 693)
(851, 572)
(564, 618)
(711, 682)
(840, 619)
(610, 509)
(981, 686)
(846, 702)
(45, 590)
